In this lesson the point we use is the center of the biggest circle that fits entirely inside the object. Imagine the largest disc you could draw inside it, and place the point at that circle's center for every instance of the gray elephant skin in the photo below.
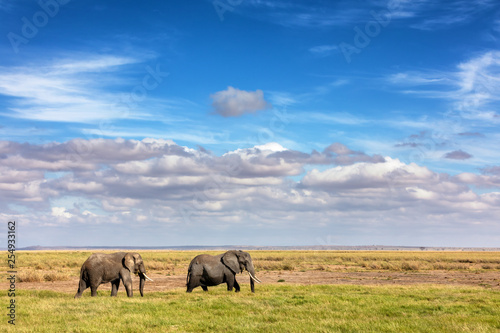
(112, 268)
(206, 270)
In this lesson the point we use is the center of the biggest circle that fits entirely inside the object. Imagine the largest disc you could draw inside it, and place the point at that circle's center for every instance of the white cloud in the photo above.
(92, 64)
(162, 184)
(472, 93)
(442, 15)
(233, 102)
(417, 78)
(390, 173)
(333, 117)
(422, 15)
(479, 82)
(61, 212)
(471, 89)
(70, 90)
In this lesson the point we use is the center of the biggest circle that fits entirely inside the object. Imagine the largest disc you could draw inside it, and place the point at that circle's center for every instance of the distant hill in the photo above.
(278, 248)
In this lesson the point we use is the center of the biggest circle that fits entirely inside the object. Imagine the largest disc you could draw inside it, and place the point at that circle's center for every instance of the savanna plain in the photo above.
(301, 291)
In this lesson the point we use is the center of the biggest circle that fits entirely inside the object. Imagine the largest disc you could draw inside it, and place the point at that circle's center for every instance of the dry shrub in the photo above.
(158, 266)
(440, 266)
(410, 266)
(275, 266)
(37, 276)
(29, 276)
(55, 276)
(370, 265)
(270, 266)
(459, 266)
(451, 266)
(270, 258)
(466, 261)
(387, 266)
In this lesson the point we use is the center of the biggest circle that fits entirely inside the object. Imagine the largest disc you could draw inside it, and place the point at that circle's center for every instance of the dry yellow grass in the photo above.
(38, 266)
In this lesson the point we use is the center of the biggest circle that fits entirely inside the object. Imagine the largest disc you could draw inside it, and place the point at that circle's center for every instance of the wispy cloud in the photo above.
(479, 82)
(422, 15)
(205, 136)
(444, 14)
(419, 78)
(313, 14)
(470, 89)
(343, 118)
(324, 50)
(90, 64)
(68, 90)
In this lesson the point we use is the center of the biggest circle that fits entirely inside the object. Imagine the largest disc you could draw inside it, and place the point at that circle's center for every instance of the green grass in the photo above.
(273, 308)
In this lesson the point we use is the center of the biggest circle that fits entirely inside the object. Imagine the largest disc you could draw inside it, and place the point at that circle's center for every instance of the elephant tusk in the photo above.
(147, 277)
(254, 278)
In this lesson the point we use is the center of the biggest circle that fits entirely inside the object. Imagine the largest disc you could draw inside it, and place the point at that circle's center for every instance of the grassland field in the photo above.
(302, 291)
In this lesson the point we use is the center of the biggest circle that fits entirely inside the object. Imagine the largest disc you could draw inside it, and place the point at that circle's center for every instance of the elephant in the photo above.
(102, 268)
(206, 270)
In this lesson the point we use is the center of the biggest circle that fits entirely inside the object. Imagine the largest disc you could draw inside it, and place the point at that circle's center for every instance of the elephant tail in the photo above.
(83, 283)
(84, 277)
(188, 278)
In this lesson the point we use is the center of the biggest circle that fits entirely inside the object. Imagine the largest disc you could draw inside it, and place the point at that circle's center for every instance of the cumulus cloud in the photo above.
(233, 102)
(61, 212)
(157, 183)
(345, 156)
(485, 181)
(389, 173)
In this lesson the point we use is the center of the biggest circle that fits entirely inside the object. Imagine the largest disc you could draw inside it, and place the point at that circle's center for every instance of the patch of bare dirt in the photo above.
(165, 283)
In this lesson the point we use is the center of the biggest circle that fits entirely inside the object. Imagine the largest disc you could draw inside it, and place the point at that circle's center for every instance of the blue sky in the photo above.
(250, 122)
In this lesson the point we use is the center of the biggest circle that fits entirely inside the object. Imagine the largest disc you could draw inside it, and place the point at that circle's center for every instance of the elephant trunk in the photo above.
(251, 272)
(252, 284)
(141, 283)
(142, 277)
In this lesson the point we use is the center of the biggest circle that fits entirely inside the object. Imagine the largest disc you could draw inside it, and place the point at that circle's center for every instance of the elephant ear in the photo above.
(231, 261)
(129, 261)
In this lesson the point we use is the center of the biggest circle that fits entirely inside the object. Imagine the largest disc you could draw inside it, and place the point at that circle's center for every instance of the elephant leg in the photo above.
(114, 287)
(204, 288)
(236, 285)
(93, 291)
(230, 282)
(127, 282)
